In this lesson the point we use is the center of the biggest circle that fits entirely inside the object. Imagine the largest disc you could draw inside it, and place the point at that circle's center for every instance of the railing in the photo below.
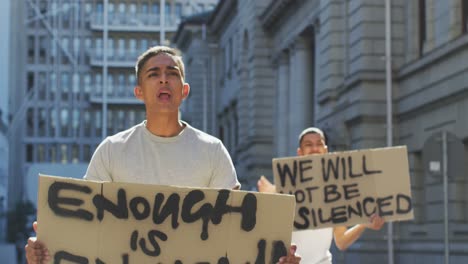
(135, 22)
(116, 94)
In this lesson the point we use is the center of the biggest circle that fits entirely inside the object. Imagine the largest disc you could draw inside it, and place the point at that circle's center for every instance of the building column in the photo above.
(282, 106)
(300, 91)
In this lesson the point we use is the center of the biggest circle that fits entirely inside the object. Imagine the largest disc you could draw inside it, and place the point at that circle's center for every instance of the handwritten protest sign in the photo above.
(122, 223)
(346, 188)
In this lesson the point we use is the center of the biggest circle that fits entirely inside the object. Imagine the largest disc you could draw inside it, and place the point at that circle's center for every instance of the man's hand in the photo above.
(291, 258)
(376, 222)
(265, 186)
(36, 251)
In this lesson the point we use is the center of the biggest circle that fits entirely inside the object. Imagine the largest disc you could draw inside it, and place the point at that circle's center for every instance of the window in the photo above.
(30, 49)
(143, 45)
(98, 119)
(29, 153)
(53, 85)
(41, 85)
(110, 48)
(98, 84)
(76, 47)
(66, 15)
(76, 122)
(65, 86)
(87, 124)
(98, 44)
(422, 26)
(76, 83)
(464, 9)
(121, 48)
(178, 10)
(87, 83)
(43, 44)
(99, 13)
(121, 84)
(110, 85)
(168, 17)
(64, 122)
(132, 48)
(110, 122)
(40, 153)
(111, 13)
(75, 154)
(42, 122)
(53, 154)
(63, 152)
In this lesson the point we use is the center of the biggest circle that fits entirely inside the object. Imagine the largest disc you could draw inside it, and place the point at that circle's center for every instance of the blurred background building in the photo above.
(276, 67)
(71, 79)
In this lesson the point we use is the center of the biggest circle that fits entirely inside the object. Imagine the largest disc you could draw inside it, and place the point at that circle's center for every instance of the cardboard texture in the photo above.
(346, 188)
(189, 226)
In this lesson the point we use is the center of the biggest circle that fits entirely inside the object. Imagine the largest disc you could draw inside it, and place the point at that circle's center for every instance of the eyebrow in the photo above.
(157, 68)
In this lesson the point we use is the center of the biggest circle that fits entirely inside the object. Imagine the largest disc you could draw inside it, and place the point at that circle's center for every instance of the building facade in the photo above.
(72, 78)
(285, 65)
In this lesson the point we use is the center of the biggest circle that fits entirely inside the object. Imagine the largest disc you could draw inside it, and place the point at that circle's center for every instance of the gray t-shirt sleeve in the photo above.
(99, 166)
(224, 174)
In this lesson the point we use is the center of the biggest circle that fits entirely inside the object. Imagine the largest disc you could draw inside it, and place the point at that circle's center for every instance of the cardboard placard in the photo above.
(121, 223)
(346, 188)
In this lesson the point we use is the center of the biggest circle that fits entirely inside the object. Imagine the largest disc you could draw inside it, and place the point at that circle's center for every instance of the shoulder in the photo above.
(201, 137)
(124, 136)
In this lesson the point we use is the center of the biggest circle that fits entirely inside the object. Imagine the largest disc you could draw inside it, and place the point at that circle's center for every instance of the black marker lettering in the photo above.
(407, 200)
(350, 165)
(66, 256)
(384, 202)
(134, 205)
(302, 169)
(286, 172)
(119, 210)
(55, 201)
(364, 167)
(327, 166)
(171, 207)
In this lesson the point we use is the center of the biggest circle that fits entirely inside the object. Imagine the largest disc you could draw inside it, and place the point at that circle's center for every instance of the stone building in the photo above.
(280, 66)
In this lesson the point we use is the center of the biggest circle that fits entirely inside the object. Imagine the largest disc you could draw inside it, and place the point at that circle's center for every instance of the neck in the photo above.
(164, 125)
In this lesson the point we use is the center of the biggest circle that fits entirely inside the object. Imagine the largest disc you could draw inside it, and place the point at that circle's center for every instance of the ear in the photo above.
(185, 90)
(299, 152)
(138, 92)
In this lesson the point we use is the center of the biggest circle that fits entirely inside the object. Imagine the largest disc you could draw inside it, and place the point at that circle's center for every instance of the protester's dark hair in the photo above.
(154, 51)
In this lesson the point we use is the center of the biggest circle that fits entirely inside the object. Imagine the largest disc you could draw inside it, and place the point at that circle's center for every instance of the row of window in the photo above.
(59, 153)
(78, 123)
(74, 10)
(119, 84)
(435, 23)
(123, 48)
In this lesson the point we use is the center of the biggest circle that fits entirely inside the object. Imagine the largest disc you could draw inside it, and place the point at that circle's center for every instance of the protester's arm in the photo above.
(345, 237)
(36, 251)
(291, 258)
(265, 186)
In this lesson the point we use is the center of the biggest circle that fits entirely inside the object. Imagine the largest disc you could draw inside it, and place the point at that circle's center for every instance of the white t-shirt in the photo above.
(314, 245)
(191, 159)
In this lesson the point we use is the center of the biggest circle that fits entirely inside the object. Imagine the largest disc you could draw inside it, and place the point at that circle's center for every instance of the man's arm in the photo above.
(345, 237)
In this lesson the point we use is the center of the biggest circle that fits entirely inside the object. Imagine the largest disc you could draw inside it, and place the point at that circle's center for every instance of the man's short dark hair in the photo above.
(154, 51)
